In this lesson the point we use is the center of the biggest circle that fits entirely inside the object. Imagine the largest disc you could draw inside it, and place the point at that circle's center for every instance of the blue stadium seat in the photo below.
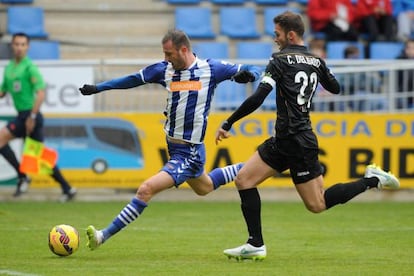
(190, 2)
(335, 49)
(238, 22)
(385, 50)
(271, 2)
(196, 22)
(229, 95)
(227, 2)
(44, 50)
(216, 50)
(254, 50)
(29, 20)
(270, 13)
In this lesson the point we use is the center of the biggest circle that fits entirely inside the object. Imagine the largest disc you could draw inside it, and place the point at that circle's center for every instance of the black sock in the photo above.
(59, 178)
(9, 155)
(372, 182)
(341, 193)
(251, 207)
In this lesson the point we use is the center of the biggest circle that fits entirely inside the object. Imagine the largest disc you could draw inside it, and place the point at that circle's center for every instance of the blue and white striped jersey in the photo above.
(190, 92)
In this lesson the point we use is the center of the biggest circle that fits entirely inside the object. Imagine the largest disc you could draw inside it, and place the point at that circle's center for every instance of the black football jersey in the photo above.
(296, 73)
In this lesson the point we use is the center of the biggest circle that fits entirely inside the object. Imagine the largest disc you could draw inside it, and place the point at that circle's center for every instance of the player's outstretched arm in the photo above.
(126, 82)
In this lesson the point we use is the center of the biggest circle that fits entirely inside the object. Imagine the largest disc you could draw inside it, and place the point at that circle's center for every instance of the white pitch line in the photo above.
(15, 273)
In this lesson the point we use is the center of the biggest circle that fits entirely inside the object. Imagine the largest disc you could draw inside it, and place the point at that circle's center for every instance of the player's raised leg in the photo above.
(222, 176)
(131, 211)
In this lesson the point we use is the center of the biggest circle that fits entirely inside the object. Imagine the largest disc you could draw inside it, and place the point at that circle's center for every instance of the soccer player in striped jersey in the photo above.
(190, 83)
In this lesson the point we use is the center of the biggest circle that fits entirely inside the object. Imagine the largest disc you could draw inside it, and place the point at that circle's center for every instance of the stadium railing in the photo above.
(366, 86)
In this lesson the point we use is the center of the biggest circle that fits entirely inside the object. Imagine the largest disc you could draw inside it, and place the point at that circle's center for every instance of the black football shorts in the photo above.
(298, 152)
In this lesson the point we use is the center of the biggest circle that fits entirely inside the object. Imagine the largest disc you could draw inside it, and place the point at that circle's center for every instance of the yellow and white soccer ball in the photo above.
(63, 240)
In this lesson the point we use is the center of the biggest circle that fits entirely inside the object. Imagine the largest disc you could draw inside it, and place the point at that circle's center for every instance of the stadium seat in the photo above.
(29, 20)
(229, 95)
(216, 50)
(195, 21)
(238, 22)
(227, 2)
(385, 50)
(271, 2)
(335, 49)
(270, 13)
(254, 50)
(44, 50)
(175, 2)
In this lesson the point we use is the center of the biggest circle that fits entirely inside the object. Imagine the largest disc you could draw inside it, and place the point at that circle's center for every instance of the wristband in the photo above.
(226, 126)
(33, 115)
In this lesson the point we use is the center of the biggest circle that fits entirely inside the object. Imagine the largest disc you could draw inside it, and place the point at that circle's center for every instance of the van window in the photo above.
(65, 131)
(116, 137)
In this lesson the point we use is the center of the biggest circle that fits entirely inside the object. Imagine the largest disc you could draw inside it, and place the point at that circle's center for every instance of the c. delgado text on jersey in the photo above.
(303, 59)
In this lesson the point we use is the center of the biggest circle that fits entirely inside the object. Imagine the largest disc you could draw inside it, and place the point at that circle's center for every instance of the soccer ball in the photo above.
(63, 240)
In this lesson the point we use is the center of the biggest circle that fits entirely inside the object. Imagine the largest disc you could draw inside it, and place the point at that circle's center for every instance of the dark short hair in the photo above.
(351, 50)
(290, 21)
(22, 35)
(178, 38)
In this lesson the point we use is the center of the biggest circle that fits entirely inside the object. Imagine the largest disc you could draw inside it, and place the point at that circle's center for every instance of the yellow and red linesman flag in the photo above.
(37, 159)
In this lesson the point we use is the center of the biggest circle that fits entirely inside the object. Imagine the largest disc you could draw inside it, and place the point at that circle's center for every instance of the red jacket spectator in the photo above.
(334, 17)
(375, 19)
(378, 7)
(321, 12)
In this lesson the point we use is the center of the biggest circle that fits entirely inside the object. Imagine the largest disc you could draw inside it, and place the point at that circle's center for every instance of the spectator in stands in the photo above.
(23, 81)
(317, 46)
(406, 77)
(334, 18)
(363, 86)
(190, 83)
(352, 52)
(375, 19)
(404, 13)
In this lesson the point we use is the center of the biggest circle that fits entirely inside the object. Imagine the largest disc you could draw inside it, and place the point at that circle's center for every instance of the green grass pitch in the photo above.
(187, 238)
